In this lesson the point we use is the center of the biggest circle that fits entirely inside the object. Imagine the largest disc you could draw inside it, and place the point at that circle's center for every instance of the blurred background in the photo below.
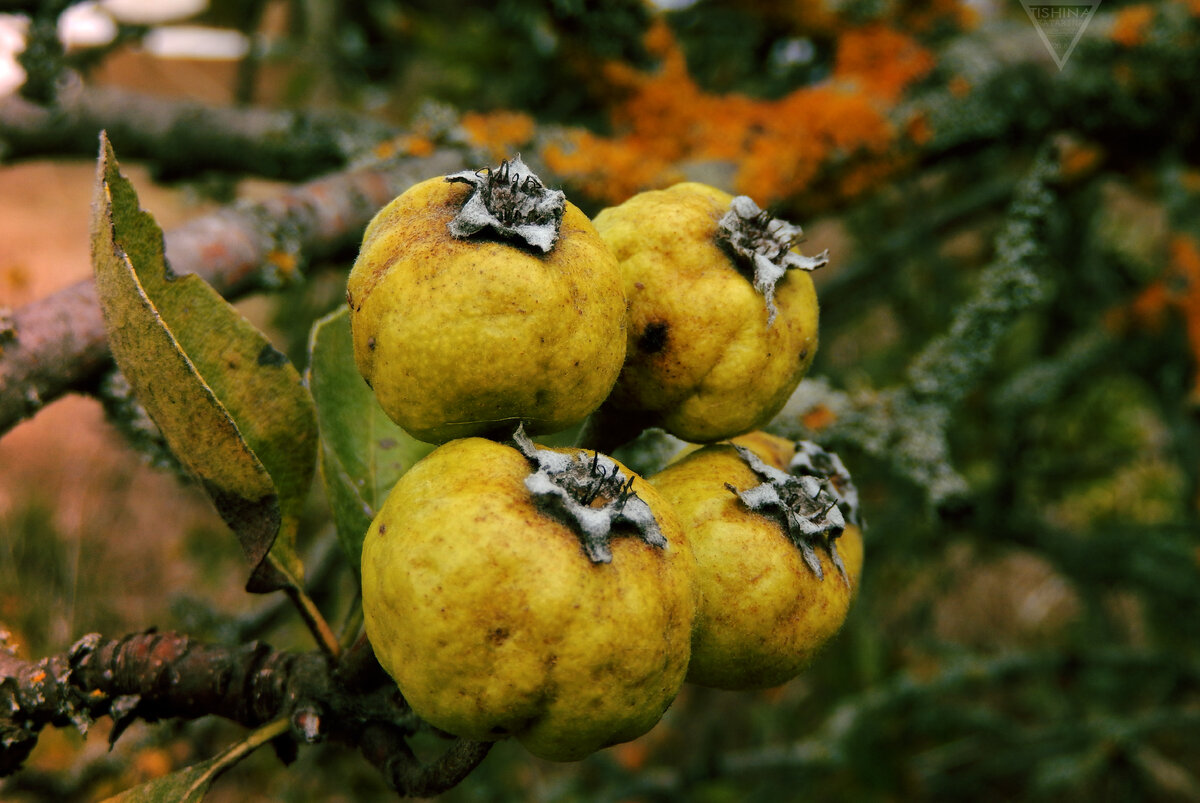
(1010, 340)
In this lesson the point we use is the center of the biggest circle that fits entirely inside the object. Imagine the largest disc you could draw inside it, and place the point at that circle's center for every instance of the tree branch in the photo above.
(57, 344)
(153, 676)
(385, 747)
(184, 136)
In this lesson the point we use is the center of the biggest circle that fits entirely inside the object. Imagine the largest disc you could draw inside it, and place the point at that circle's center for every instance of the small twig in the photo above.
(326, 639)
(385, 747)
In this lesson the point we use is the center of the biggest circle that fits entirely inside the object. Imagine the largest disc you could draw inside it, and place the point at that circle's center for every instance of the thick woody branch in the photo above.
(57, 344)
(154, 676)
(187, 136)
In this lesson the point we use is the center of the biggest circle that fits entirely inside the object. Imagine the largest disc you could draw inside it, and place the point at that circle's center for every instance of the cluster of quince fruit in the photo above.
(552, 594)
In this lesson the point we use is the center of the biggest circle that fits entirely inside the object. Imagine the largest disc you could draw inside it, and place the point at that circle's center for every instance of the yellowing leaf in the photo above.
(230, 406)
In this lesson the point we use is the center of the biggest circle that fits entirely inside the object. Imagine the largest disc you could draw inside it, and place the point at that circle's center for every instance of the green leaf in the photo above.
(190, 785)
(362, 452)
(230, 406)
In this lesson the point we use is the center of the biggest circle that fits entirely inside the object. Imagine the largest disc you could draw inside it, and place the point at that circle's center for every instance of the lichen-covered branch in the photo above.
(154, 676)
(907, 426)
(57, 344)
(185, 135)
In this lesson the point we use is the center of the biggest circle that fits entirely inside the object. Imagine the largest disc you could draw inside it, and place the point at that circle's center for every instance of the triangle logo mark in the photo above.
(1060, 24)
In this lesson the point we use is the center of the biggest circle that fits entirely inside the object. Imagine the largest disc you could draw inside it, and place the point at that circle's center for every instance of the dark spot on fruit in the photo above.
(653, 338)
(370, 344)
(498, 636)
(271, 356)
(803, 354)
(382, 529)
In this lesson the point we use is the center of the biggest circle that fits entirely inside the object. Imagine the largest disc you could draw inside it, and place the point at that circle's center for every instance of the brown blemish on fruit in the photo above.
(653, 339)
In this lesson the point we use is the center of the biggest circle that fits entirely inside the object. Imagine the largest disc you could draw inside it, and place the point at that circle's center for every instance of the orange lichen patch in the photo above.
(609, 170)
(1131, 24)
(152, 762)
(386, 149)
(818, 418)
(959, 87)
(658, 39)
(804, 131)
(631, 755)
(1185, 263)
(502, 133)
(1178, 290)
(406, 145)
(918, 129)
(1149, 308)
(15, 283)
(859, 179)
(417, 146)
(283, 262)
(1078, 159)
(883, 61)
(782, 146)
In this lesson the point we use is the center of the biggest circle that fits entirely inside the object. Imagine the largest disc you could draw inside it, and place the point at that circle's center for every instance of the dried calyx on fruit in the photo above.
(803, 506)
(762, 247)
(588, 494)
(811, 460)
(512, 203)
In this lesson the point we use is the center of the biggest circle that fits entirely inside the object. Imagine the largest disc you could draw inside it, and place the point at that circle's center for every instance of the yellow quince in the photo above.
(721, 329)
(537, 593)
(483, 299)
(778, 555)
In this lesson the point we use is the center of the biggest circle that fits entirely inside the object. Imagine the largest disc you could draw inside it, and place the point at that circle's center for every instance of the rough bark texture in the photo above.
(154, 676)
(186, 135)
